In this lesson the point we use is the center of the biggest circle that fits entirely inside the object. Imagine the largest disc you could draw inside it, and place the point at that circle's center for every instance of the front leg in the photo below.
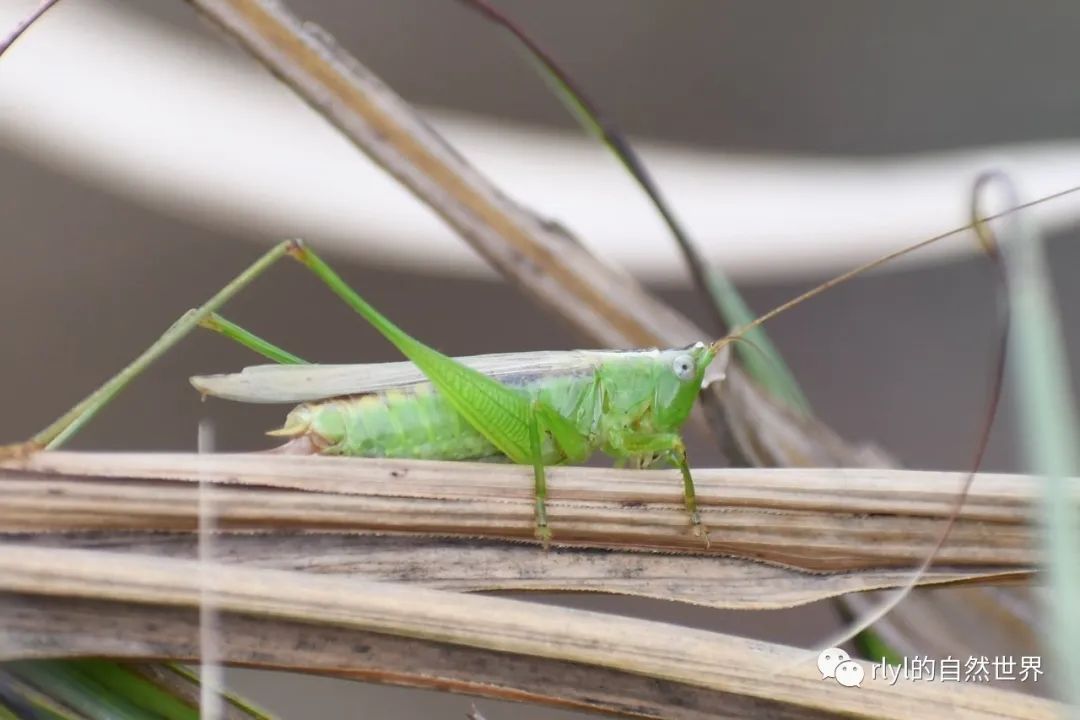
(643, 446)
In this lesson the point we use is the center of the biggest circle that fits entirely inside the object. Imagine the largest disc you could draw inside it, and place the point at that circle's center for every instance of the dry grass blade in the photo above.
(477, 564)
(541, 256)
(868, 525)
(353, 628)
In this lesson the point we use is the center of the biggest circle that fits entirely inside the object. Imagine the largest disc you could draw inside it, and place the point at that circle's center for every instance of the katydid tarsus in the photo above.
(537, 409)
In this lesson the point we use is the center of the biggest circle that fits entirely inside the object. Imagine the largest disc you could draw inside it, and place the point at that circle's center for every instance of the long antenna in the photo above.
(990, 245)
(997, 379)
(975, 225)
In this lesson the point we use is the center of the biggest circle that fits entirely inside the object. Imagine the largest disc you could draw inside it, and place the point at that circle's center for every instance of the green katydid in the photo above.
(541, 408)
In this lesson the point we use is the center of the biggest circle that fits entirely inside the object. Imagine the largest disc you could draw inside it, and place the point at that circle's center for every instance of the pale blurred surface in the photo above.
(226, 145)
(87, 279)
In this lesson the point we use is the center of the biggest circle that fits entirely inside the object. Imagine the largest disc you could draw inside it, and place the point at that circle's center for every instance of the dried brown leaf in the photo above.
(58, 601)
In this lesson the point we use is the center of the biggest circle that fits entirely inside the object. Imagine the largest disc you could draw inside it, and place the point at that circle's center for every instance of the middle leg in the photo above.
(671, 446)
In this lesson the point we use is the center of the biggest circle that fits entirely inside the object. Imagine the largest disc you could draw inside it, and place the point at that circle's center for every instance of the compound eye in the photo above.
(683, 367)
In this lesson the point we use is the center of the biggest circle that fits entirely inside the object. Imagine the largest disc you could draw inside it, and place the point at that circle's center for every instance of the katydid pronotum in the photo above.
(538, 409)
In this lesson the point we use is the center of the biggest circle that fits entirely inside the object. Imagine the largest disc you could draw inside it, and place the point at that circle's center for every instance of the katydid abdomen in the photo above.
(418, 422)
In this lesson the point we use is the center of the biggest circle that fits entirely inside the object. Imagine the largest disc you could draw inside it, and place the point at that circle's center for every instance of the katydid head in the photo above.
(678, 381)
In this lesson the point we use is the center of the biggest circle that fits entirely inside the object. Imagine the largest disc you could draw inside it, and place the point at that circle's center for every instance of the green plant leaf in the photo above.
(1049, 430)
(97, 689)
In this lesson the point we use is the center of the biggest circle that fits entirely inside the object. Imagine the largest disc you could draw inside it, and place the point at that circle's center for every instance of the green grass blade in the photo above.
(728, 305)
(24, 702)
(1049, 432)
(231, 698)
(762, 359)
(68, 684)
(873, 647)
(91, 689)
(133, 687)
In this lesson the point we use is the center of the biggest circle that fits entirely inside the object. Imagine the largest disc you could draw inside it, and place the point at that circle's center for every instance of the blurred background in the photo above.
(144, 161)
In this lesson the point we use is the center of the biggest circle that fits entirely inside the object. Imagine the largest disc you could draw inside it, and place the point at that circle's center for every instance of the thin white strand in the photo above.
(210, 669)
